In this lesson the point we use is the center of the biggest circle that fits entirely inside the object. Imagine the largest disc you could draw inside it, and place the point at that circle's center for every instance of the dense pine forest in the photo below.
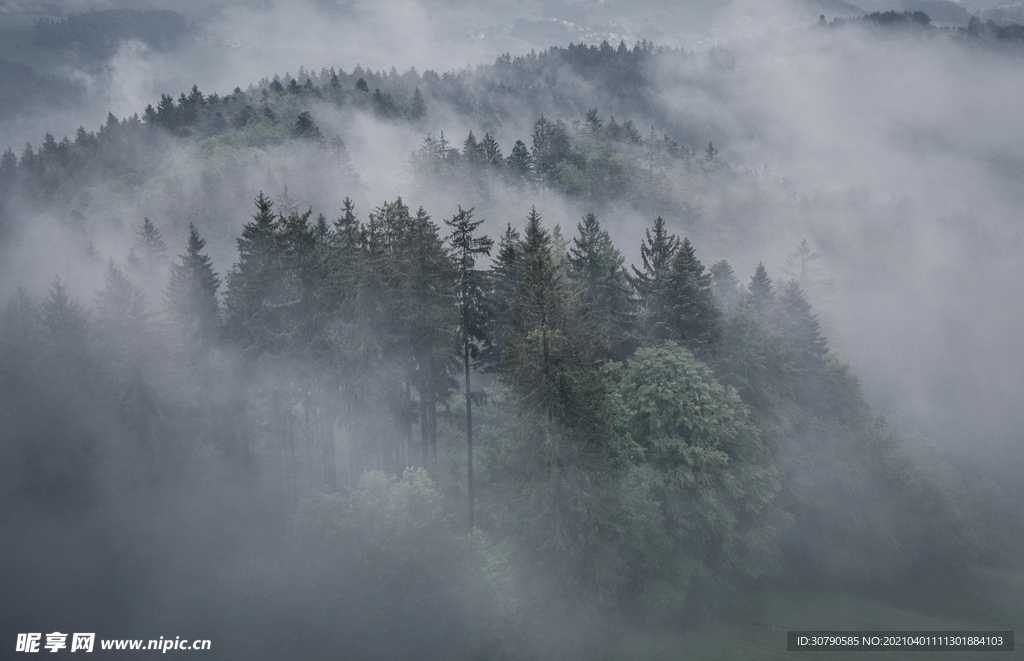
(543, 391)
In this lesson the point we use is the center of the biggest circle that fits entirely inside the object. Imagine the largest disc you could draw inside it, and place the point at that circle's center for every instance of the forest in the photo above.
(554, 386)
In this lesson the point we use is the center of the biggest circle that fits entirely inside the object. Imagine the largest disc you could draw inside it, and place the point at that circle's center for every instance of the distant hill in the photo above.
(101, 32)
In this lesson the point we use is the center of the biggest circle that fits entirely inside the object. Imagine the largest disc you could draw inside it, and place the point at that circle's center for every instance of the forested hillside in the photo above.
(519, 401)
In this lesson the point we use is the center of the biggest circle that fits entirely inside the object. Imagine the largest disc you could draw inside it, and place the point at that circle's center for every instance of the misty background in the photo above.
(896, 153)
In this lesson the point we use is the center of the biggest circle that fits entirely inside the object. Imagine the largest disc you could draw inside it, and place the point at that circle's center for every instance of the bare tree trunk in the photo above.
(469, 438)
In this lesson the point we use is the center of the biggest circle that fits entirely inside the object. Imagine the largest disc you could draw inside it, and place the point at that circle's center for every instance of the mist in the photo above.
(268, 449)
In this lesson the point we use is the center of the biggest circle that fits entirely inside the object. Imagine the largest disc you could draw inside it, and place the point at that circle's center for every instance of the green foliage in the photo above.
(569, 179)
(707, 468)
(690, 313)
(656, 253)
(595, 269)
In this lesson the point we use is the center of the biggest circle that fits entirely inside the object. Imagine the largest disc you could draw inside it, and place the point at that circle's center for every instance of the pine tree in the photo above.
(810, 346)
(150, 243)
(474, 312)
(550, 144)
(595, 269)
(651, 284)
(306, 128)
(520, 162)
(548, 344)
(150, 249)
(690, 311)
(472, 151)
(562, 444)
(532, 311)
(191, 296)
(760, 293)
(8, 165)
(429, 282)
(504, 277)
(725, 286)
(292, 298)
(418, 110)
(251, 279)
(491, 150)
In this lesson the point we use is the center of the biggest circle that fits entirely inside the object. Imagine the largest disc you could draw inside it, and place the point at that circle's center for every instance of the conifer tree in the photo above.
(150, 250)
(691, 315)
(306, 128)
(596, 270)
(520, 162)
(503, 278)
(418, 110)
(474, 311)
(810, 346)
(251, 278)
(491, 151)
(550, 144)
(760, 293)
(563, 445)
(339, 267)
(292, 297)
(429, 280)
(725, 286)
(191, 295)
(532, 312)
(472, 151)
(651, 284)
(8, 165)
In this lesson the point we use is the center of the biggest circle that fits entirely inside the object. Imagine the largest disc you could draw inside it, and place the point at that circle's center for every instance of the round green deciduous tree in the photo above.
(708, 469)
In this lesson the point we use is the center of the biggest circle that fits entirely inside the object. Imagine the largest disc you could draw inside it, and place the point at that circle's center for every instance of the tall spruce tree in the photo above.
(725, 286)
(471, 290)
(191, 296)
(418, 109)
(520, 162)
(428, 279)
(760, 292)
(492, 151)
(596, 270)
(149, 254)
(251, 279)
(651, 283)
(503, 278)
(691, 316)
(802, 325)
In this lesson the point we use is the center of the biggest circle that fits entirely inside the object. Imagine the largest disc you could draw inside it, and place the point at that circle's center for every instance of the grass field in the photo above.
(992, 600)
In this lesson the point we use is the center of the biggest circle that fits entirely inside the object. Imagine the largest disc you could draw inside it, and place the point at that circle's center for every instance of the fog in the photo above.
(897, 153)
